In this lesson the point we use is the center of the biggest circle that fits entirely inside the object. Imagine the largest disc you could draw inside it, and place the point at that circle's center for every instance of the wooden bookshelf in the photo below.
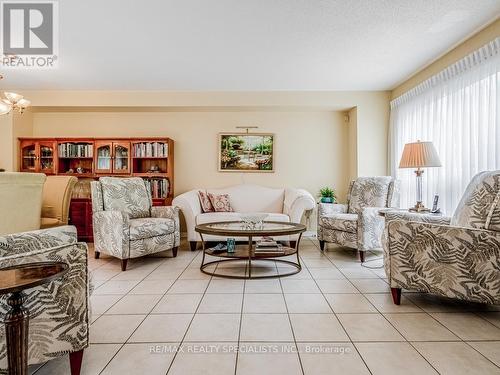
(90, 158)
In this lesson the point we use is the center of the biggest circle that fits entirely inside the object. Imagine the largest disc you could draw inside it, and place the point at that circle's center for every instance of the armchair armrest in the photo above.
(446, 260)
(112, 233)
(416, 217)
(189, 204)
(296, 202)
(169, 212)
(329, 209)
(27, 243)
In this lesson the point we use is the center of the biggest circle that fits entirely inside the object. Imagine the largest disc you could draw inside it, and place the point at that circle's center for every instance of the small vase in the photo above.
(326, 200)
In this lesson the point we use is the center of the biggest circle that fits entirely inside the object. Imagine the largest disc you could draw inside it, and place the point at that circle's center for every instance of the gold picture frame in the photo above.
(246, 152)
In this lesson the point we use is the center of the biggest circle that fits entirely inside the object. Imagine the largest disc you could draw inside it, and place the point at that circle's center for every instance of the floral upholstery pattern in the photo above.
(369, 192)
(220, 202)
(455, 257)
(342, 222)
(59, 311)
(116, 234)
(206, 204)
(144, 228)
(357, 224)
(128, 195)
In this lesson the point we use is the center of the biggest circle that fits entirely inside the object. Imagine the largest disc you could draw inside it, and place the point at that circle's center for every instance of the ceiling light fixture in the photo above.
(13, 101)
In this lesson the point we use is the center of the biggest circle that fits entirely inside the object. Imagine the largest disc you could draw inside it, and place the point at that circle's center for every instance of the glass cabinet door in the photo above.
(121, 160)
(103, 158)
(46, 158)
(29, 157)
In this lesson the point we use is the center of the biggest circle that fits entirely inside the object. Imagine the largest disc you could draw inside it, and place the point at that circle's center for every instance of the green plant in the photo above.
(327, 192)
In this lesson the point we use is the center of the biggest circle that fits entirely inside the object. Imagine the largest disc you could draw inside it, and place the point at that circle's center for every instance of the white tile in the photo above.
(336, 286)
(384, 303)
(299, 286)
(468, 326)
(260, 358)
(266, 328)
(100, 303)
(490, 349)
(326, 274)
(221, 303)
(205, 359)
(264, 303)
(135, 304)
(349, 303)
(455, 358)
(393, 358)
(116, 287)
(214, 327)
(139, 358)
(162, 328)
(371, 285)
(368, 327)
(152, 287)
(114, 328)
(420, 327)
(178, 304)
(317, 328)
(189, 286)
(225, 286)
(307, 303)
(263, 286)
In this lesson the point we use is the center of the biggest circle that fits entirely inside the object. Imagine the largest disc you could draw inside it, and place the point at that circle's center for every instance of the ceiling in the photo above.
(251, 44)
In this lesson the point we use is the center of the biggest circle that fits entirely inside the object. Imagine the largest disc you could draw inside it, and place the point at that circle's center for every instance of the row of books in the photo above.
(268, 245)
(159, 187)
(75, 150)
(150, 150)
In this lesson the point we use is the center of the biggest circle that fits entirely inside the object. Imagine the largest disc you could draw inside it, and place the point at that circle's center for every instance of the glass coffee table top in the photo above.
(240, 228)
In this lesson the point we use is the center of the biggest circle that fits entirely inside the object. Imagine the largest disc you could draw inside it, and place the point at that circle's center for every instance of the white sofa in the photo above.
(285, 204)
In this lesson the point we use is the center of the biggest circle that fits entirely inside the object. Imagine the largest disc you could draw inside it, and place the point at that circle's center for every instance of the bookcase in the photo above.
(90, 158)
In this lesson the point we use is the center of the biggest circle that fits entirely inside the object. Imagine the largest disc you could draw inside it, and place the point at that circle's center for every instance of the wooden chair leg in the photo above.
(192, 245)
(75, 362)
(96, 254)
(361, 256)
(322, 245)
(124, 264)
(174, 251)
(396, 295)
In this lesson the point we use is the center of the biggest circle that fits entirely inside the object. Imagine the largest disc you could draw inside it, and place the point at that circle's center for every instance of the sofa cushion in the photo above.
(212, 217)
(150, 227)
(206, 204)
(339, 221)
(477, 206)
(128, 195)
(220, 202)
(369, 192)
(253, 198)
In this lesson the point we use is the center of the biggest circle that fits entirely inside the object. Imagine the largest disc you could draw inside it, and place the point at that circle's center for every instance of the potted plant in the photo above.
(327, 195)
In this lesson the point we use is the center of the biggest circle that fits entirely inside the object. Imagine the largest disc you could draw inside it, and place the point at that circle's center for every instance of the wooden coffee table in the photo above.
(237, 229)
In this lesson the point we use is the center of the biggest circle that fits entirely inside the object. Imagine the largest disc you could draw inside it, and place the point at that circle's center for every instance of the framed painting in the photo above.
(246, 152)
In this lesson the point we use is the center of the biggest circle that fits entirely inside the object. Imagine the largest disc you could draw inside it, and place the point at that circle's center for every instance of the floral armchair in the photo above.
(59, 310)
(126, 225)
(357, 223)
(457, 257)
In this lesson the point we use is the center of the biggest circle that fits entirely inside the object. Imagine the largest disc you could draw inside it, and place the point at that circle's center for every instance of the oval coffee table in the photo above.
(238, 229)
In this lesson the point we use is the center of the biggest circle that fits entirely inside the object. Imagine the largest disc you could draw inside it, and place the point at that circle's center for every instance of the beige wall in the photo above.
(463, 49)
(311, 146)
(7, 144)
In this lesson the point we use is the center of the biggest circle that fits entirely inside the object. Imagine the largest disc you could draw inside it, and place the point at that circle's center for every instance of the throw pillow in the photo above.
(220, 202)
(206, 205)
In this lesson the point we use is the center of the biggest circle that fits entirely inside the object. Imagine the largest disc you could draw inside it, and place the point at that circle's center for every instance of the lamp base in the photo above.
(419, 207)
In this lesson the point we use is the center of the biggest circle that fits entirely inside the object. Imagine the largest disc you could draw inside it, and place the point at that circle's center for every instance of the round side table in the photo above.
(14, 281)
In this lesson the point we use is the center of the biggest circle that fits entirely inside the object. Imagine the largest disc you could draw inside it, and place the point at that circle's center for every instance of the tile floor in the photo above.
(164, 316)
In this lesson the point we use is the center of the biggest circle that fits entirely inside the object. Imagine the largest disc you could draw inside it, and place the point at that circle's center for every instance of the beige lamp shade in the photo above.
(419, 155)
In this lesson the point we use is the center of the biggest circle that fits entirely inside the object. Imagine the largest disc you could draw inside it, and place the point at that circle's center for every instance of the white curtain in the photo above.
(458, 110)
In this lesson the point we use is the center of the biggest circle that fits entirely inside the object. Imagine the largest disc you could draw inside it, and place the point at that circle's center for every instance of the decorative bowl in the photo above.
(253, 219)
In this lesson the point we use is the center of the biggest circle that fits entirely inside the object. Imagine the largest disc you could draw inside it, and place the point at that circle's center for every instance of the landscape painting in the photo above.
(243, 152)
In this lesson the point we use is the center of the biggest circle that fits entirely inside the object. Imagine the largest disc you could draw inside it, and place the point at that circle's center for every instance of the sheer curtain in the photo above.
(458, 110)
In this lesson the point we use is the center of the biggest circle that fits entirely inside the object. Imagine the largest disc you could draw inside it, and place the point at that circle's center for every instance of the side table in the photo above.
(14, 281)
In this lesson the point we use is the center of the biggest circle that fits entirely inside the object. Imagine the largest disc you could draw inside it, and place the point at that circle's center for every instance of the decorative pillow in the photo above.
(128, 195)
(206, 205)
(221, 203)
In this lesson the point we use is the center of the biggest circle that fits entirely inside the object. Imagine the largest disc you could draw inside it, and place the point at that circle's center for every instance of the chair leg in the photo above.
(192, 245)
(361, 256)
(75, 362)
(322, 245)
(96, 254)
(396, 295)
(174, 251)
(124, 264)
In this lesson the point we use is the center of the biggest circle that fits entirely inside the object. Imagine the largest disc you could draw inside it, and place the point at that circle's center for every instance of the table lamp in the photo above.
(419, 155)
